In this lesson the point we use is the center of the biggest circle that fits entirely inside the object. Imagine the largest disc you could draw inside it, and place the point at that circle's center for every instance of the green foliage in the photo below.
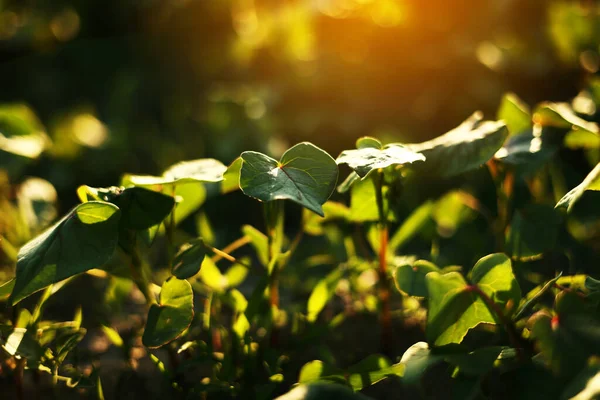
(305, 174)
(173, 314)
(240, 317)
(84, 239)
(462, 149)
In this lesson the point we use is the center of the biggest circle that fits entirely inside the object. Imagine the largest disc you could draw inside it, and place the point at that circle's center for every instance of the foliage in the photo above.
(482, 281)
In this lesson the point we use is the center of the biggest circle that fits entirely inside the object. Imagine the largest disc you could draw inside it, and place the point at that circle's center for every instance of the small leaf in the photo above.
(366, 159)
(202, 170)
(515, 113)
(591, 182)
(189, 259)
(212, 277)
(305, 174)
(494, 276)
(410, 279)
(463, 149)
(84, 239)
(412, 225)
(367, 141)
(173, 314)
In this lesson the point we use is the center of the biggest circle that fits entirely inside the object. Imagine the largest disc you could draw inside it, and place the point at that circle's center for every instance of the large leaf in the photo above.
(591, 182)
(305, 174)
(84, 239)
(455, 308)
(173, 314)
(463, 149)
(140, 208)
(529, 150)
(366, 159)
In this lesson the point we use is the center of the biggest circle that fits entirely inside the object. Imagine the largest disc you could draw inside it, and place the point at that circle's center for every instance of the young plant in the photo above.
(305, 174)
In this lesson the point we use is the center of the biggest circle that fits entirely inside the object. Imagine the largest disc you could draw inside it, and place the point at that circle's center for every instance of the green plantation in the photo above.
(464, 267)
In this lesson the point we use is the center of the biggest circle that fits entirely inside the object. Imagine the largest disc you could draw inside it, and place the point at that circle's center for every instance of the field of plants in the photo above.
(461, 265)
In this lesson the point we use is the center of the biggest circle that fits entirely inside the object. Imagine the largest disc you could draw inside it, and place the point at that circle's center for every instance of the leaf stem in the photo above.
(513, 336)
(384, 287)
(233, 246)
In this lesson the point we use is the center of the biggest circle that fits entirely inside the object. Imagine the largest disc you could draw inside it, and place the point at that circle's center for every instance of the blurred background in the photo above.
(137, 85)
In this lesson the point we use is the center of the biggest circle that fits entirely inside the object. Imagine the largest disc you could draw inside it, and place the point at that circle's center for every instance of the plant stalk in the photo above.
(384, 287)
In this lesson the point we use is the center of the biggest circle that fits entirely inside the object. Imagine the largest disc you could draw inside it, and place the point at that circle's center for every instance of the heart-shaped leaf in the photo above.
(84, 239)
(173, 314)
(366, 159)
(462, 149)
(410, 279)
(189, 259)
(140, 208)
(305, 174)
(455, 308)
(591, 182)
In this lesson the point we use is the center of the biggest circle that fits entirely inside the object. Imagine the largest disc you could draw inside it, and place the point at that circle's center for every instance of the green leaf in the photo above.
(454, 307)
(366, 159)
(582, 139)
(334, 211)
(189, 259)
(140, 208)
(561, 115)
(321, 294)
(305, 174)
(417, 360)
(321, 391)
(528, 151)
(318, 371)
(367, 141)
(231, 178)
(371, 370)
(21, 135)
(84, 239)
(476, 363)
(494, 276)
(173, 314)
(259, 241)
(533, 231)
(411, 226)
(463, 149)
(235, 275)
(202, 170)
(183, 181)
(515, 113)
(591, 182)
(410, 279)
(569, 337)
(363, 204)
